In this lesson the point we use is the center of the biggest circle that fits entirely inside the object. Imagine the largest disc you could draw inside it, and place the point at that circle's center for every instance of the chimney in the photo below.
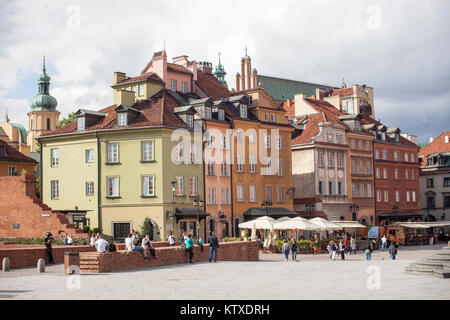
(255, 78)
(431, 139)
(238, 79)
(119, 76)
(206, 67)
(248, 62)
(299, 101)
(243, 74)
(159, 66)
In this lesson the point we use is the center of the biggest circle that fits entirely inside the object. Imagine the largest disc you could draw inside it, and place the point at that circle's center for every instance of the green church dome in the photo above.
(43, 100)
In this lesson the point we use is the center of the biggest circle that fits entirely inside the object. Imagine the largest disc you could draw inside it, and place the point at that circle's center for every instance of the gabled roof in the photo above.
(154, 112)
(282, 89)
(211, 86)
(366, 121)
(343, 92)
(177, 68)
(2, 132)
(83, 112)
(149, 76)
(11, 154)
(437, 146)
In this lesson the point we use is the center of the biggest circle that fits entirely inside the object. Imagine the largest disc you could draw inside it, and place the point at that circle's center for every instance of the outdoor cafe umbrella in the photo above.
(323, 224)
(298, 223)
(253, 238)
(264, 222)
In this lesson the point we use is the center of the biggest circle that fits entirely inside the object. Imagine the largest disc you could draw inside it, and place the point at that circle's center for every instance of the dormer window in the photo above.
(190, 120)
(243, 111)
(383, 136)
(397, 137)
(221, 114)
(357, 126)
(208, 113)
(122, 119)
(81, 121)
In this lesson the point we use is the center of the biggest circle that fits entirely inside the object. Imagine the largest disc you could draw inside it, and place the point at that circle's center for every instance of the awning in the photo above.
(423, 225)
(295, 223)
(323, 224)
(391, 214)
(264, 222)
(271, 212)
(349, 224)
(182, 213)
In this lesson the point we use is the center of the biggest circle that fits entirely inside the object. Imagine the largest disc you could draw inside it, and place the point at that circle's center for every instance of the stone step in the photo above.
(443, 253)
(436, 258)
(411, 270)
(430, 264)
(426, 267)
(442, 274)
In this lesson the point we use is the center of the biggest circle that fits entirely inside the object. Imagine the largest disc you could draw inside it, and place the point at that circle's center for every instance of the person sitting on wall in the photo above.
(101, 244)
(148, 248)
(130, 246)
(69, 240)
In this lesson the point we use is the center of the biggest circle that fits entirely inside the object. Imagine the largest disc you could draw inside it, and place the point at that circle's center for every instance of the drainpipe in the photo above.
(41, 170)
(203, 172)
(374, 188)
(99, 193)
(231, 183)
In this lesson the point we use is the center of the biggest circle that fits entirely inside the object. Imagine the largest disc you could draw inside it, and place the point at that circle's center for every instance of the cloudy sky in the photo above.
(400, 48)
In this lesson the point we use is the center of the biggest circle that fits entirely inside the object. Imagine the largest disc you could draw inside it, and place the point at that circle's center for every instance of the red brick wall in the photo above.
(22, 256)
(122, 260)
(17, 206)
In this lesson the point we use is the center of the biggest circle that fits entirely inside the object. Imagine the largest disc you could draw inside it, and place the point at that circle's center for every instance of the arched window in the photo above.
(48, 123)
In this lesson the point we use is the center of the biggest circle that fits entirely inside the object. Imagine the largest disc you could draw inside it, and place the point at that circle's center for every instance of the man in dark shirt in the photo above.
(213, 245)
(48, 247)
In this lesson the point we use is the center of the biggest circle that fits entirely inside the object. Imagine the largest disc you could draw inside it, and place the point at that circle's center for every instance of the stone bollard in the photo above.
(5, 265)
(41, 266)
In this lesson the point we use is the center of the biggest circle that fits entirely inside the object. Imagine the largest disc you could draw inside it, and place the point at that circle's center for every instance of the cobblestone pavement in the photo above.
(313, 277)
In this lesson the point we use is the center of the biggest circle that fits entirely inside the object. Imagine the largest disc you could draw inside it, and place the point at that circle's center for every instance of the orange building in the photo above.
(13, 163)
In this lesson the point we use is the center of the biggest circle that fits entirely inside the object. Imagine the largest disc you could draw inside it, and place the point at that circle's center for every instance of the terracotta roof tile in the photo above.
(177, 68)
(209, 84)
(149, 76)
(8, 153)
(342, 92)
(437, 146)
(156, 111)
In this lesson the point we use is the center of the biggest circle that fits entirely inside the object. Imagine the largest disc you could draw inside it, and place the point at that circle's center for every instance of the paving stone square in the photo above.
(312, 277)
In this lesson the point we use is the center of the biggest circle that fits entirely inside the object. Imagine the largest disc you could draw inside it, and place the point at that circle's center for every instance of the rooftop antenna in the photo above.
(246, 49)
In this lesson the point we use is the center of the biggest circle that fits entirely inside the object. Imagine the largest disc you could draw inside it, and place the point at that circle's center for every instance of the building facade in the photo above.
(396, 174)
(434, 179)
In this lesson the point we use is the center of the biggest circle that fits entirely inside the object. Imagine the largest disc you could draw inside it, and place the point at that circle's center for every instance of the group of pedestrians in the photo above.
(188, 243)
(343, 247)
(290, 247)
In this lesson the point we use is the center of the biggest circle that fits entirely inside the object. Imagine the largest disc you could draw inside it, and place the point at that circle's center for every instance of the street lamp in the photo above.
(395, 209)
(354, 208)
(267, 204)
(197, 203)
(174, 183)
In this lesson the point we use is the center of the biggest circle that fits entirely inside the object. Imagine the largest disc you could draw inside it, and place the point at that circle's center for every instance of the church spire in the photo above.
(220, 73)
(43, 100)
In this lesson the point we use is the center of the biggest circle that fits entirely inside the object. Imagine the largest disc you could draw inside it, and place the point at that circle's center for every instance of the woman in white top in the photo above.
(69, 240)
(93, 240)
(171, 239)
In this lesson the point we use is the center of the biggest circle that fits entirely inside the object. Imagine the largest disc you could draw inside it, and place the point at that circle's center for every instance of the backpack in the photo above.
(111, 247)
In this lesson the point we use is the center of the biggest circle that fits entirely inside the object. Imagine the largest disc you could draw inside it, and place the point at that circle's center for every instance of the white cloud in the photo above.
(397, 47)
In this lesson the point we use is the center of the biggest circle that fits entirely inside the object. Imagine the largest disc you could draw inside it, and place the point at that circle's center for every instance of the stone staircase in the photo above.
(437, 265)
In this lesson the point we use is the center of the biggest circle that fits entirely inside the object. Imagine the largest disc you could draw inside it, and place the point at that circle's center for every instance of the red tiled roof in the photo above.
(342, 92)
(12, 154)
(211, 86)
(149, 76)
(177, 68)
(311, 128)
(437, 146)
(156, 111)
(368, 120)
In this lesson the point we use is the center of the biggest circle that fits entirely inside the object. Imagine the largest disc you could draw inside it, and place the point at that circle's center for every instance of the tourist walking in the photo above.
(333, 248)
(393, 251)
(48, 247)
(171, 239)
(342, 250)
(190, 247)
(352, 245)
(384, 243)
(148, 248)
(294, 250)
(213, 245)
(368, 251)
(285, 249)
(101, 244)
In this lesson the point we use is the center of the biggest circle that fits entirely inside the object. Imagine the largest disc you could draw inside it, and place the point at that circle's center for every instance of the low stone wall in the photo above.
(94, 262)
(22, 256)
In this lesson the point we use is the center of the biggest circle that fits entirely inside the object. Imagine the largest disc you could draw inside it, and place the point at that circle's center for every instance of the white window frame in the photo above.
(251, 164)
(173, 85)
(113, 181)
(55, 157)
(150, 180)
(12, 170)
(122, 119)
(243, 111)
(221, 115)
(207, 112)
(184, 86)
(253, 193)
(148, 150)
(81, 123)
(54, 189)
(90, 156)
(273, 118)
(113, 155)
(179, 191)
(140, 90)
(90, 190)
(193, 190)
(280, 194)
(240, 196)
(190, 120)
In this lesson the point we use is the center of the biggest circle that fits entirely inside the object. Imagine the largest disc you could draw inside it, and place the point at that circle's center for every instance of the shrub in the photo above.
(86, 229)
(96, 230)
(230, 239)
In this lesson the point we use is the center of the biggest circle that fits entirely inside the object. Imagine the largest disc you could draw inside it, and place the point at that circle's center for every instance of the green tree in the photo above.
(65, 121)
